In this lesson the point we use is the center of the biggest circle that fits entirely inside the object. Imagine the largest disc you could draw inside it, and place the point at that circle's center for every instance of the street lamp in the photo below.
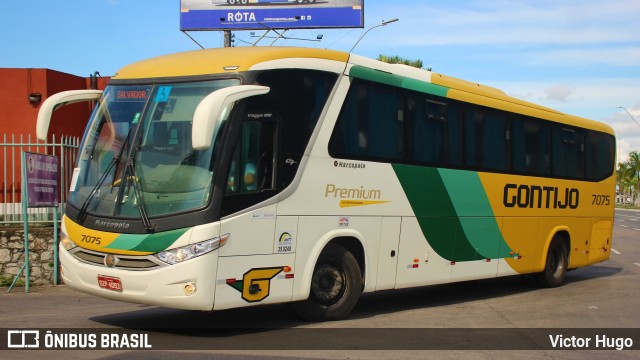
(384, 23)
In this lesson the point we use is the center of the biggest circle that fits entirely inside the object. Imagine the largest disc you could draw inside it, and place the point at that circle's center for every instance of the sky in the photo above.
(580, 57)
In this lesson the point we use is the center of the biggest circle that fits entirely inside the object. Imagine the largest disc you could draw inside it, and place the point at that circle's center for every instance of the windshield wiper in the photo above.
(115, 162)
(137, 191)
(128, 175)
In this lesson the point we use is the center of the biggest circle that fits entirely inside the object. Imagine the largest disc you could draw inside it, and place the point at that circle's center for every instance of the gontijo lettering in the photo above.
(547, 197)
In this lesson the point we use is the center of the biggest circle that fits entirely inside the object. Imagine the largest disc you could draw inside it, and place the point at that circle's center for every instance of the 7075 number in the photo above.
(602, 200)
(91, 239)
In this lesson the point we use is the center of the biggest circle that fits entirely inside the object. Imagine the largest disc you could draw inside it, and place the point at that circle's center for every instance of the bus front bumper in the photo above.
(179, 286)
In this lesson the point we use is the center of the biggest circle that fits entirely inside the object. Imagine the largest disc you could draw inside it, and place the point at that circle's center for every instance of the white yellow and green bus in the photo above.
(224, 178)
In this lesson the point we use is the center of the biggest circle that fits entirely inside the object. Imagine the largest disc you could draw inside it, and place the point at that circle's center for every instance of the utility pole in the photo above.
(227, 38)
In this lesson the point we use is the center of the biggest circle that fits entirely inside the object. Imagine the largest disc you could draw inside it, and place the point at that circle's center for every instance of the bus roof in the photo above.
(232, 60)
(218, 61)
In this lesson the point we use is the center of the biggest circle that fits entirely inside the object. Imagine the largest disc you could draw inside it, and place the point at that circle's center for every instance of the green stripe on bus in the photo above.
(147, 243)
(474, 210)
(364, 73)
(435, 212)
(454, 212)
(382, 77)
(425, 87)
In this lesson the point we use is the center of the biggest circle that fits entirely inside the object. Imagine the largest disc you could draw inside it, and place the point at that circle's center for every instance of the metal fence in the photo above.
(66, 148)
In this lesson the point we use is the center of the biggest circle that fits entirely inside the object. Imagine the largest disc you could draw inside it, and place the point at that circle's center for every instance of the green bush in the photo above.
(7, 280)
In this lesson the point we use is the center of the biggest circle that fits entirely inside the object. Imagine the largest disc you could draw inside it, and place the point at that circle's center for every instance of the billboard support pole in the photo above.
(192, 39)
(280, 36)
(261, 37)
(40, 179)
(227, 38)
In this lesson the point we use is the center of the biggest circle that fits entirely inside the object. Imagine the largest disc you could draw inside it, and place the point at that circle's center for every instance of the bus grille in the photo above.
(124, 262)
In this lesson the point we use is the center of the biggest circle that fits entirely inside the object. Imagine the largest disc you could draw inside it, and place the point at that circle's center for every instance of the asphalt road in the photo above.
(602, 296)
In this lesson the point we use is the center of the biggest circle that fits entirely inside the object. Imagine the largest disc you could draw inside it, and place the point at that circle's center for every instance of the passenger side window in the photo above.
(600, 153)
(428, 121)
(485, 139)
(568, 152)
(370, 125)
(530, 146)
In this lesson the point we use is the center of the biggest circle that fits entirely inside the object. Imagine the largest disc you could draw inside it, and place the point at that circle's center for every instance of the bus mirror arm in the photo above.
(58, 100)
(208, 114)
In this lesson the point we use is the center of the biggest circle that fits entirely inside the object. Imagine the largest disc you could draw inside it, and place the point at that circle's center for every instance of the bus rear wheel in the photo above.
(335, 286)
(556, 266)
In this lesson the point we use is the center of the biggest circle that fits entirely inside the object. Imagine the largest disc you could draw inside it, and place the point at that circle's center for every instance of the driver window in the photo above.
(251, 168)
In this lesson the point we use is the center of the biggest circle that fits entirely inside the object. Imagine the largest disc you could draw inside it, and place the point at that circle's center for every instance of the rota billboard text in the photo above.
(270, 14)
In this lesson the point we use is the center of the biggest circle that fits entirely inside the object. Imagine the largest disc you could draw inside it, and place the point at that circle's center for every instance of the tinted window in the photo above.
(485, 139)
(272, 134)
(384, 123)
(567, 149)
(297, 97)
(600, 154)
(530, 146)
(371, 124)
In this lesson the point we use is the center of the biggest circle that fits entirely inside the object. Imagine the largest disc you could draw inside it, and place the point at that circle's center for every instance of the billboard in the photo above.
(270, 14)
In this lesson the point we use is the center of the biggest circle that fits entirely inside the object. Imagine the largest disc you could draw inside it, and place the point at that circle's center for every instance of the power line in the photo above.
(631, 116)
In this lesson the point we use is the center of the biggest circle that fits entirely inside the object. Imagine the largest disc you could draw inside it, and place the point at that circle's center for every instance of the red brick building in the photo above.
(22, 91)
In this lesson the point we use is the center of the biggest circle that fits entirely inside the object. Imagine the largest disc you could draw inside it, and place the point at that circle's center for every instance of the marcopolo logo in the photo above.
(349, 165)
(118, 225)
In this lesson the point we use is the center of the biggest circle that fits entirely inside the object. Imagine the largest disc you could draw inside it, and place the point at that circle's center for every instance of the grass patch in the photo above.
(7, 280)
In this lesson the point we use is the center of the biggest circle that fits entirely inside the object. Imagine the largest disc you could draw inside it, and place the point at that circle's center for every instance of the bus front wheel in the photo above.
(556, 266)
(335, 286)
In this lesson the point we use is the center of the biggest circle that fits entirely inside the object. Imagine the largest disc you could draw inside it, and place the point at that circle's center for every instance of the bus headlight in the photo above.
(67, 244)
(181, 254)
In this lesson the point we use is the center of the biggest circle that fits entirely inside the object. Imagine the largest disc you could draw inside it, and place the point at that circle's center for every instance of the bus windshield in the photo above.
(137, 158)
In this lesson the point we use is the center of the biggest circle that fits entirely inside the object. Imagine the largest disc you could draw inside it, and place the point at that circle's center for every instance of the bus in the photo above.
(223, 178)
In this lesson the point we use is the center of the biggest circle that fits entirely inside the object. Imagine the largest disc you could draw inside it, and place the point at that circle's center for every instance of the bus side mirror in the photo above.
(58, 100)
(210, 111)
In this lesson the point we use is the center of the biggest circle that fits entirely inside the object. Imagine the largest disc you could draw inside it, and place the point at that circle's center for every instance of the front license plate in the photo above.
(110, 283)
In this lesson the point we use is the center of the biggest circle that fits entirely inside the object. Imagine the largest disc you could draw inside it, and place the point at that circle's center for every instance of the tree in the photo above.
(628, 181)
(634, 173)
(400, 60)
(623, 181)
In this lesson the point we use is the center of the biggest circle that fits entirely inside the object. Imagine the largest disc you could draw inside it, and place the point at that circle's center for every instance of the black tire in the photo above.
(556, 265)
(335, 286)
